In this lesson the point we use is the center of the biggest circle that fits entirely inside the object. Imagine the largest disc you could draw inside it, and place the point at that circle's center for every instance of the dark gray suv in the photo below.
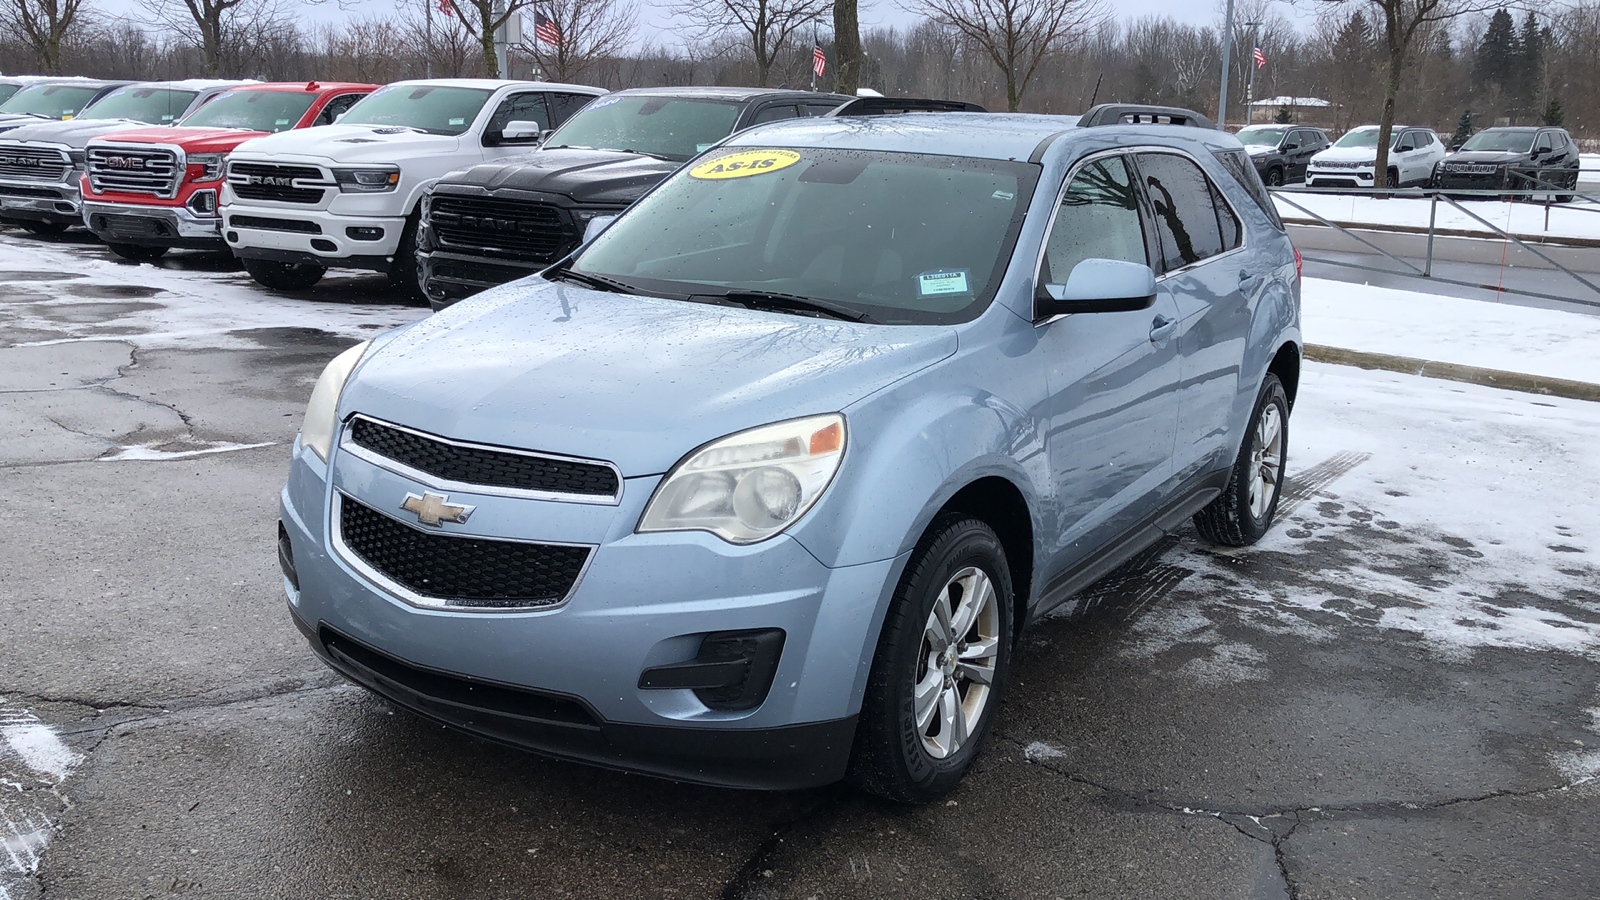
(1280, 152)
(1513, 159)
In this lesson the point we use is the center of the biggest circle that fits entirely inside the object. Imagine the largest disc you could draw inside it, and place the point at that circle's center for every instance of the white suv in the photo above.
(345, 195)
(1413, 152)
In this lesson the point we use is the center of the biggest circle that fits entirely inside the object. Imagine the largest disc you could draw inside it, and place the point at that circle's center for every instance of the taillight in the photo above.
(1299, 265)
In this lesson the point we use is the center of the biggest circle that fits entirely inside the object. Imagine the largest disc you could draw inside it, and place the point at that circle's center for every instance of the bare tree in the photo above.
(1399, 23)
(581, 33)
(224, 30)
(43, 26)
(483, 19)
(1017, 35)
(846, 47)
(765, 27)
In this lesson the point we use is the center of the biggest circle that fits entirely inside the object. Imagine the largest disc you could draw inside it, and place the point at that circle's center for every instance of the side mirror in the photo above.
(338, 117)
(1097, 285)
(1540, 151)
(1289, 148)
(595, 226)
(522, 132)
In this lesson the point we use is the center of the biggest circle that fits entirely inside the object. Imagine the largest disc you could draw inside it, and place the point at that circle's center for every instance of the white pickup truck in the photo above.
(345, 195)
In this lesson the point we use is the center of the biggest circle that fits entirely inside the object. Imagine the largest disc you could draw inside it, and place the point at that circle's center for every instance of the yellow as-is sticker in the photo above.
(744, 164)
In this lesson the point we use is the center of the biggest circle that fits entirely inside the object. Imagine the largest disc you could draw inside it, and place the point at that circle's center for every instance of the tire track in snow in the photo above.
(33, 760)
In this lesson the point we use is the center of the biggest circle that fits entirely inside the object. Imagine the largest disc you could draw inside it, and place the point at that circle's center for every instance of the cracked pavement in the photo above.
(1307, 719)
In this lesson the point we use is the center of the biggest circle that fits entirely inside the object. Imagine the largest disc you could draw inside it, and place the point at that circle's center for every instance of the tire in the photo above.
(1242, 514)
(405, 275)
(1565, 198)
(44, 229)
(137, 252)
(282, 276)
(1394, 179)
(894, 757)
(1275, 177)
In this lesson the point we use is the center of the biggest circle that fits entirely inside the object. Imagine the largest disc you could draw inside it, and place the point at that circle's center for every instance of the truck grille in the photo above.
(518, 229)
(134, 170)
(32, 163)
(479, 465)
(460, 571)
(285, 184)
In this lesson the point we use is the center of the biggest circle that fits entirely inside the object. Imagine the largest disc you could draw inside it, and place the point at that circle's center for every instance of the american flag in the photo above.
(1261, 58)
(446, 7)
(819, 61)
(545, 29)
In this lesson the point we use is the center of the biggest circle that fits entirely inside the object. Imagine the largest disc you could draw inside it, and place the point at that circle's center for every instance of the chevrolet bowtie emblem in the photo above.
(434, 509)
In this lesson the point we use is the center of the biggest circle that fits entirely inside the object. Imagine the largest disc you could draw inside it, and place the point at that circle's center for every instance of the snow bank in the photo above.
(1578, 219)
(1546, 342)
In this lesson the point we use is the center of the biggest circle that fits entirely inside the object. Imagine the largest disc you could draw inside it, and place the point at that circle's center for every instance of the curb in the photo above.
(1540, 240)
(1514, 381)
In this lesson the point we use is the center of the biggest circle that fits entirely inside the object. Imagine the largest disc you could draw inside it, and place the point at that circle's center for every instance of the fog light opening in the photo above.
(732, 671)
(364, 233)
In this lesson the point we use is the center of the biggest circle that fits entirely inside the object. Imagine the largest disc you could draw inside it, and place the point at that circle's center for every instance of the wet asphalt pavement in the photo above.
(1198, 730)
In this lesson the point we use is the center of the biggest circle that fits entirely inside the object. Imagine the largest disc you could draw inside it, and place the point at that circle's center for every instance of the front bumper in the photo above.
(153, 226)
(1337, 178)
(566, 680)
(315, 236)
(53, 202)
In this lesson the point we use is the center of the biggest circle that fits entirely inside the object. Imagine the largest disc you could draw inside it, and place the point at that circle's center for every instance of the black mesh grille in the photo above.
(477, 465)
(132, 227)
(260, 181)
(461, 571)
(268, 223)
(515, 229)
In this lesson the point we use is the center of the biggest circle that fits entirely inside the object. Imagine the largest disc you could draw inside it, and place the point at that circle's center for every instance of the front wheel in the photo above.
(1244, 510)
(282, 276)
(405, 269)
(137, 252)
(940, 666)
(1275, 177)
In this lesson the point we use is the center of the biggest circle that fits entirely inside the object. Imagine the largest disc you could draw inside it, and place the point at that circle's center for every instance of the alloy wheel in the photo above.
(1266, 458)
(956, 667)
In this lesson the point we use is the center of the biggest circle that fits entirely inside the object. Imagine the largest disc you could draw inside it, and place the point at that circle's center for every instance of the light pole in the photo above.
(1250, 79)
(1227, 53)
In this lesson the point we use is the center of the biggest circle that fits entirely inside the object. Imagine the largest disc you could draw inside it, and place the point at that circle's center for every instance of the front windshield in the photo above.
(1262, 137)
(1365, 138)
(902, 238)
(436, 110)
(55, 101)
(673, 127)
(1500, 141)
(158, 106)
(253, 110)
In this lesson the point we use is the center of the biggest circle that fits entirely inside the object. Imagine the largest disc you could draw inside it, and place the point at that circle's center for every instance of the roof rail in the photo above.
(886, 106)
(1141, 114)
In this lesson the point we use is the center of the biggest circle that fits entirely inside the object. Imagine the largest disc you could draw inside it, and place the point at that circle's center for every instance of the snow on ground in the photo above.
(184, 308)
(33, 761)
(1589, 168)
(1546, 342)
(1579, 219)
(1466, 523)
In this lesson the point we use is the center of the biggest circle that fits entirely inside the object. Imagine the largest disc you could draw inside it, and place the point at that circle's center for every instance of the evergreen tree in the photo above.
(1554, 115)
(1463, 130)
(1499, 56)
(1283, 116)
(1530, 69)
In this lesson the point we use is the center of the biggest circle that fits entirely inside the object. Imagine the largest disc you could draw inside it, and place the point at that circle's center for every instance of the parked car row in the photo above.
(1507, 158)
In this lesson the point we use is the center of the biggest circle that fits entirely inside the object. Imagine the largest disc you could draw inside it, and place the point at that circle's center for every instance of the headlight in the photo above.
(323, 410)
(749, 486)
(203, 167)
(367, 181)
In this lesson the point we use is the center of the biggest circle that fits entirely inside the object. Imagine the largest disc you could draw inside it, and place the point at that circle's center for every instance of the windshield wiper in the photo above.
(770, 300)
(564, 272)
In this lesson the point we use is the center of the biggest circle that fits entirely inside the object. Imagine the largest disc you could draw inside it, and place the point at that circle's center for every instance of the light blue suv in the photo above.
(759, 487)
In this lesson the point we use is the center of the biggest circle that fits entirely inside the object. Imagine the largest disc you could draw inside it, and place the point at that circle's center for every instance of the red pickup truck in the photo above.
(148, 191)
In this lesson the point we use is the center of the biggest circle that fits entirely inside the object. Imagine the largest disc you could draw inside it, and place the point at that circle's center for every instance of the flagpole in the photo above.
(427, 62)
(815, 46)
(1250, 82)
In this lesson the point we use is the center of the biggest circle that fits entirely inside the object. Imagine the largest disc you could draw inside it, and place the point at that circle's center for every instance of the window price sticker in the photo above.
(935, 284)
(744, 164)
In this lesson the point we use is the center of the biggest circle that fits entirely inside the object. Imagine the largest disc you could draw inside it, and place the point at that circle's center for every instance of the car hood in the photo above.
(638, 381)
(192, 140)
(74, 133)
(587, 176)
(1497, 157)
(1260, 151)
(9, 121)
(1348, 154)
(354, 143)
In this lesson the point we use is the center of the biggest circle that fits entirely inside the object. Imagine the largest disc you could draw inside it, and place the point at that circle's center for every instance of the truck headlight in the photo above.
(375, 180)
(322, 411)
(750, 486)
(203, 167)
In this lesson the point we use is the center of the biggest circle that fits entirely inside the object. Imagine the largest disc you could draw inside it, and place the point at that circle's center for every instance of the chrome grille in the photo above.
(32, 163)
(134, 170)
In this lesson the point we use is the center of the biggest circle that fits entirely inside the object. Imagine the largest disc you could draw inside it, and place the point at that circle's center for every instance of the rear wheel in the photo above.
(137, 252)
(1244, 511)
(282, 276)
(940, 666)
(43, 229)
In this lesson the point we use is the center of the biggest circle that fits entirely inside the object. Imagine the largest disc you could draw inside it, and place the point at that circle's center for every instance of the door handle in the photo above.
(1161, 329)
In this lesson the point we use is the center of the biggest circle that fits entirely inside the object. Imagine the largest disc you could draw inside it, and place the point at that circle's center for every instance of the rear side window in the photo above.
(1238, 165)
(773, 114)
(1185, 214)
(1098, 219)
